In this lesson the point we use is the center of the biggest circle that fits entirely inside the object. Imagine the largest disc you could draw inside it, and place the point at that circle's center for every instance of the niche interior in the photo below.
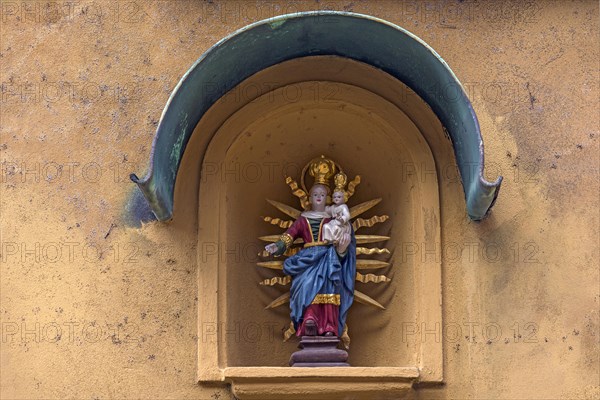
(270, 126)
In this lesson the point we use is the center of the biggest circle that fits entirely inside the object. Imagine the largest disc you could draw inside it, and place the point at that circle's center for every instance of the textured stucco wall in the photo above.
(91, 308)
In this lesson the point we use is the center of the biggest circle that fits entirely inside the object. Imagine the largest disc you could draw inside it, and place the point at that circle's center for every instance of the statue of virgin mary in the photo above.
(322, 272)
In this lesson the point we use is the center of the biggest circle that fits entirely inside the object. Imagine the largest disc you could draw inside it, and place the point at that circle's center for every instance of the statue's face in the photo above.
(338, 197)
(318, 197)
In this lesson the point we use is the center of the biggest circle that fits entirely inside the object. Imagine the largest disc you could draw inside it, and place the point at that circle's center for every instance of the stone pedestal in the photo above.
(319, 351)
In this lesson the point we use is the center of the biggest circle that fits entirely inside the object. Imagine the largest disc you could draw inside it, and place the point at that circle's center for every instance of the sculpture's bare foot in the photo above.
(329, 333)
(310, 327)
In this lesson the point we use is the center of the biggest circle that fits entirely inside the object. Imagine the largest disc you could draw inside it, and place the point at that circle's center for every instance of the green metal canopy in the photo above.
(359, 37)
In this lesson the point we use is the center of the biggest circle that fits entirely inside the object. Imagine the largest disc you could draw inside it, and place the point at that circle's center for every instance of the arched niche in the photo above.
(371, 124)
(260, 95)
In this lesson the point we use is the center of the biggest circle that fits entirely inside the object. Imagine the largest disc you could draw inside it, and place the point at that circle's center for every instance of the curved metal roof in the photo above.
(360, 37)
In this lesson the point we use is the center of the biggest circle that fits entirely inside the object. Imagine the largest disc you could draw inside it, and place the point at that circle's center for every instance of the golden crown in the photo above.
(340, 181)
(322, 169)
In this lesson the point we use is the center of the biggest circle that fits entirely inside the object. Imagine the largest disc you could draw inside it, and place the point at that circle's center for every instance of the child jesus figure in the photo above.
(339, 225)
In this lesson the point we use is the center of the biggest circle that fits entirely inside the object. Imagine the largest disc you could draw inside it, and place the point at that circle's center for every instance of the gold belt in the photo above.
(327, 299)
(311, 244)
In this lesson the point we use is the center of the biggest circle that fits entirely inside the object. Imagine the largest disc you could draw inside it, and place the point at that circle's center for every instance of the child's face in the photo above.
(338, 197)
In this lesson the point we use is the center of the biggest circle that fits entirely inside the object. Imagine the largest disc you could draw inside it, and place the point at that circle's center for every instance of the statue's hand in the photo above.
(271, 248)
(343, 243)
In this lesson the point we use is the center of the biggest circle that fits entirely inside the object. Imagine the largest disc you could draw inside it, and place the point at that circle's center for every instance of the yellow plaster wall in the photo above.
(92, 308)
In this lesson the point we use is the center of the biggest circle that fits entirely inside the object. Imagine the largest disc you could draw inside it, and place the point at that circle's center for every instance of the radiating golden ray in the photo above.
(371, 264)
(269, 238)
(371, 278)
(352, 185)
(289, 332)
(345, 338)
(361, 264)
(271, 264)
(370, 251)
(362, 207)
(299, 193)
(364, 299)
(274, 238)
(284, 298)
(284, 208)
(359, 222)
(279, 222)
(278, 280)
(362, 239)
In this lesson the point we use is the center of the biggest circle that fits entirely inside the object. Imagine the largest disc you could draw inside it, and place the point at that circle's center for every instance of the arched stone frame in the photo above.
(227, 122)
(160, 191)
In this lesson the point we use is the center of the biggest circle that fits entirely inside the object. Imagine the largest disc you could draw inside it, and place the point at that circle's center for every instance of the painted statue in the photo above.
(324, 270)
(320, 250)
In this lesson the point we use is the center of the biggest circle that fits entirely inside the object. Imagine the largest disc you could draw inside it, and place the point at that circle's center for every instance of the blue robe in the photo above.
(319, 270)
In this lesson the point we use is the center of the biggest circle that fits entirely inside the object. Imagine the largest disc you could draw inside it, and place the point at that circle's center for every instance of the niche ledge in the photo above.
(288, 383)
